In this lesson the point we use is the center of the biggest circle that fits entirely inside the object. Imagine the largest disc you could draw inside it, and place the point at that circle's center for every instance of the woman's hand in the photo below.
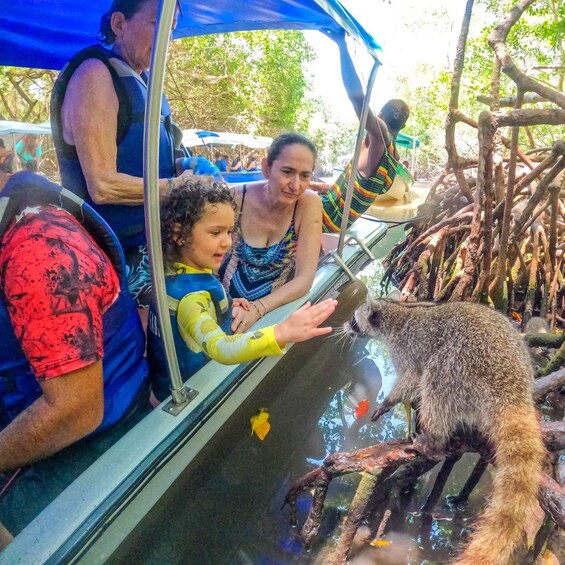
(243, 318)
(319, 187)
(303, 324)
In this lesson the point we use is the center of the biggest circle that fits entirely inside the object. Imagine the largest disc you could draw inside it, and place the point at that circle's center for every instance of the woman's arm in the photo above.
(308, 223)
(237, 165)
(90, 122)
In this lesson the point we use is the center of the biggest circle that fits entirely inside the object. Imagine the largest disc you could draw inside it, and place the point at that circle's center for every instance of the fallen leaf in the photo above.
(379, 543)
(260, 424)
(361, 408)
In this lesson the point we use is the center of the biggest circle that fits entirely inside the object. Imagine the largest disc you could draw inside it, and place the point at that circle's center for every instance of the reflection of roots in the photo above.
(390, 468)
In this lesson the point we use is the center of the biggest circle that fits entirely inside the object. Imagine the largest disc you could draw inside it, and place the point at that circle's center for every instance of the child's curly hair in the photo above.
(185, 205)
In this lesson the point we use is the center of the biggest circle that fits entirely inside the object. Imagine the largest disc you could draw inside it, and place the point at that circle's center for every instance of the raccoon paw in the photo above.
(382, 409)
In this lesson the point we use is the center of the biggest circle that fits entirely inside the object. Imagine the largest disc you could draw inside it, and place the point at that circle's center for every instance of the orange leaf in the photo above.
(379, 543)
(516, 316)
(259, 424)
(361, 408)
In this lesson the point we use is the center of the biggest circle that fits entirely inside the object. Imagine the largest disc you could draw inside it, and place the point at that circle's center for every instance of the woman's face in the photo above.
(289, 174)
(134, 37)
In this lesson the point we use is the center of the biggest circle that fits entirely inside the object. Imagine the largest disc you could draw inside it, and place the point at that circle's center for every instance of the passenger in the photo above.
(28, 148)
(221, 162)
(31, 166)
(97, 110)
(279, 230)
(252, 164)
(197, 223)
(378, 158)
(73, 377)
(236, 165)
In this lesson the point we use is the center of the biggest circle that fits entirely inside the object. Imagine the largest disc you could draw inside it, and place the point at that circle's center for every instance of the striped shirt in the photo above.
(365, 190)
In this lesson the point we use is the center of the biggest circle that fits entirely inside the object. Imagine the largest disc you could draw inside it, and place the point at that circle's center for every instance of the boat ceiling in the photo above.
(44, 34)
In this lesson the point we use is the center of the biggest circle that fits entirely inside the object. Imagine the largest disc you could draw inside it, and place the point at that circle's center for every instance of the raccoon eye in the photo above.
(375, 318)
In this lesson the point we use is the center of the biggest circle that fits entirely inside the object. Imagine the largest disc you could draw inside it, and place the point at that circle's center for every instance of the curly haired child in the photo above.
(197, 224)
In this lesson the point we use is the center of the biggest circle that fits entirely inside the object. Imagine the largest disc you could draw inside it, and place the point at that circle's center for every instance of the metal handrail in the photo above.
(181, 396)
(355, 159)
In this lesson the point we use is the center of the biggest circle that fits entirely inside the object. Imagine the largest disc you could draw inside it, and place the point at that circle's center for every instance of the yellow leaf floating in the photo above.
(379, 543)
(260, 424)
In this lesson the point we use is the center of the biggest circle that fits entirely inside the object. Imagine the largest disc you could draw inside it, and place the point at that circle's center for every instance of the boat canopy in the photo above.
(11, 132)
(44, 34)
(8, 127)
(195, 138)
(407, 141)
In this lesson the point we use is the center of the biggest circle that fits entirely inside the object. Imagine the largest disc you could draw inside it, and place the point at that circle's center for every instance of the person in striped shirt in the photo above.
(378, 158)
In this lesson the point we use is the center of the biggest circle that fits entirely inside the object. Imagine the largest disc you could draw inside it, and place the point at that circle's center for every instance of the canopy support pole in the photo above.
(355, 159)
(181, 395)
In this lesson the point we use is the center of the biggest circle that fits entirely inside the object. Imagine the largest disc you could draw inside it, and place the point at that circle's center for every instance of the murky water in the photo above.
(226, 507)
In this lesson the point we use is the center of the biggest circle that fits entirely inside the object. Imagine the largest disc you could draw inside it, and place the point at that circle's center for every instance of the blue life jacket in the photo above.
(128, 222)
(124, 366)
(222, 165)
(178, 286)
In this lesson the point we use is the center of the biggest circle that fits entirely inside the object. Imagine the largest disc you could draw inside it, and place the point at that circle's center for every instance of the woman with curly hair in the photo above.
(197, 224)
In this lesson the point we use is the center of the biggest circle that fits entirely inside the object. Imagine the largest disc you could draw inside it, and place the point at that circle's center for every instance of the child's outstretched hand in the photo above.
(303, 324)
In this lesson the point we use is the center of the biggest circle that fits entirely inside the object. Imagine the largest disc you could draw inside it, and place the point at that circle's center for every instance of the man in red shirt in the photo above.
(59, 290)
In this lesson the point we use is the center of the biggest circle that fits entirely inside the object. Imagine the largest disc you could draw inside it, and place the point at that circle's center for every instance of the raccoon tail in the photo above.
(519, 452)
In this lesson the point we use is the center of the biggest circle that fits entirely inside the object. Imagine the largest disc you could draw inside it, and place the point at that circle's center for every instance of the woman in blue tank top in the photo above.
(278, 232)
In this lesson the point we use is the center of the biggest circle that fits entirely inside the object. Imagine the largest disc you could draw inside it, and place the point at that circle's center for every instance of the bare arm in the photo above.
(377, 131)
(90, 122)
(71, 407)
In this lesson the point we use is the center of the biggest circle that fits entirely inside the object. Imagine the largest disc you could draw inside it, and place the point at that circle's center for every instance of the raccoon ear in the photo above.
(375, 317)
(393, 295)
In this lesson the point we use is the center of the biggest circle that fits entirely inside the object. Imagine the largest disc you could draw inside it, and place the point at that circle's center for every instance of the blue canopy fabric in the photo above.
(44, 34)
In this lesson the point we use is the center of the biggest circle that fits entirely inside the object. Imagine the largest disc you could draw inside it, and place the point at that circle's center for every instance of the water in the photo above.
(226, 506)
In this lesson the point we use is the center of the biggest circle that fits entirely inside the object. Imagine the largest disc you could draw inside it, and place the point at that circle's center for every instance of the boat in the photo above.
(210, 140)
(106, 513)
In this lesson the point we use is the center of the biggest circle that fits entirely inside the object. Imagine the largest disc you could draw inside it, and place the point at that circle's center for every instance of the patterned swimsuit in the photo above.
(253, 272)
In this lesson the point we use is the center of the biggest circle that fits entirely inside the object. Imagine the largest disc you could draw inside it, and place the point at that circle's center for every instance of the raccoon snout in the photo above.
(351, 328)
(354, 326)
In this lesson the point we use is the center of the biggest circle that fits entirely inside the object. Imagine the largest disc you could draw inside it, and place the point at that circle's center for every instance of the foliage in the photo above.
(333, 137)
(24, 94)
(536, 46)
(243, 82)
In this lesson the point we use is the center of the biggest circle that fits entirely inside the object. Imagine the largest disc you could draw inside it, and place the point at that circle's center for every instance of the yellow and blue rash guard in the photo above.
(198, 326)
(196, 301)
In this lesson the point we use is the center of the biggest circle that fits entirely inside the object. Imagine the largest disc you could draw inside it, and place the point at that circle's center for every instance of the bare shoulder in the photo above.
(309, 203)
(91, 69)
(309, 211)
(91, 76)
